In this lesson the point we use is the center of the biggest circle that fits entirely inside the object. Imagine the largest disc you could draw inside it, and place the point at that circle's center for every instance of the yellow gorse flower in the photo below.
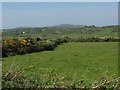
(23, 42)
(9, 42)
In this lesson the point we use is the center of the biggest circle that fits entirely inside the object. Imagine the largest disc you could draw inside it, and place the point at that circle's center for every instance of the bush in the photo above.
(8, 47)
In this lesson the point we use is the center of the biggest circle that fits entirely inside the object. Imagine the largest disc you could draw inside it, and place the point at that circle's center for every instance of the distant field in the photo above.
(54, 32)
(89, 61)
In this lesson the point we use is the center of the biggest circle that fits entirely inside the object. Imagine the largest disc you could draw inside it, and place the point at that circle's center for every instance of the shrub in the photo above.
(8, 47)
(23, 42)
(49, 45)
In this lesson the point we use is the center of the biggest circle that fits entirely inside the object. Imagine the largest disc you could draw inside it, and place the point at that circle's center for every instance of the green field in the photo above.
(55, 32)
(87, 61)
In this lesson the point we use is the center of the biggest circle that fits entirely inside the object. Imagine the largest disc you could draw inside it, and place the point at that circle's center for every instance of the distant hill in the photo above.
(68, 30)
(68, 26)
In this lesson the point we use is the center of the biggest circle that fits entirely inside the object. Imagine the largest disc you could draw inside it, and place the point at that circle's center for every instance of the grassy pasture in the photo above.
(87, 61)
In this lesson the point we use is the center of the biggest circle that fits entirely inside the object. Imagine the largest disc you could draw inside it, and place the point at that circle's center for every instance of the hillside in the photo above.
(60, 30)
(68, 26)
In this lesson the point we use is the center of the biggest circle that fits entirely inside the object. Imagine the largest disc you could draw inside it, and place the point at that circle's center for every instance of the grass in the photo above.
(87, 61)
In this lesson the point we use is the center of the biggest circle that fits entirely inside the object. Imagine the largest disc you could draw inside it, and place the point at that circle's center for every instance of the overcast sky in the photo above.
(38, 14)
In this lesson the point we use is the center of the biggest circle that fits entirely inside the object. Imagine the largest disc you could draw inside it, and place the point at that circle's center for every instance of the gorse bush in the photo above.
(8, 47)
(29, 45)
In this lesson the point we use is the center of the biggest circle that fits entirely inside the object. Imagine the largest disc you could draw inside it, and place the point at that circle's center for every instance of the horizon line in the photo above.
(57, 25)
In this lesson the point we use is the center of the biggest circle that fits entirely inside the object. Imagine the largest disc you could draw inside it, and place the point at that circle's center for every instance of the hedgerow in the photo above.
(13, 47)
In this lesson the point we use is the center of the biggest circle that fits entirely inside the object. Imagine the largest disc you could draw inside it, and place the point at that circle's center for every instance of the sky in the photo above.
(40, 14)
(60, 0)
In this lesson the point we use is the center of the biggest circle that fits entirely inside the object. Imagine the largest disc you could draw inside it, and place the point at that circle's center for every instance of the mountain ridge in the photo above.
(68, 26)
